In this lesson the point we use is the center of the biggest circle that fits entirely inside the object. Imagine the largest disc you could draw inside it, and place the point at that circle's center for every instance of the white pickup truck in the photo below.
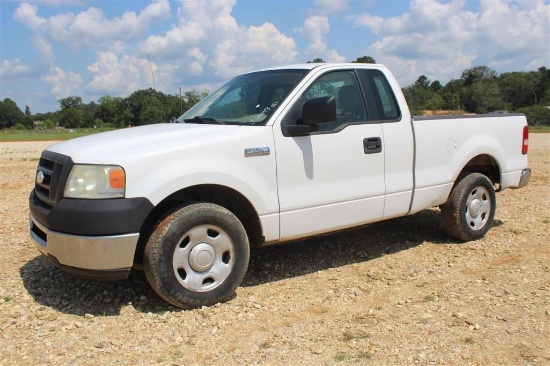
(272, 156)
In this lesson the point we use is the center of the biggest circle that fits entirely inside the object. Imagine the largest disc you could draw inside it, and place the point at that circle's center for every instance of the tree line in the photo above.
(478, 90)
(142, 107)
(481, 90)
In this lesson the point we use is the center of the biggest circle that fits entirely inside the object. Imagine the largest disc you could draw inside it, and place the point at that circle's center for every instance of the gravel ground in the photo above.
(396, 292)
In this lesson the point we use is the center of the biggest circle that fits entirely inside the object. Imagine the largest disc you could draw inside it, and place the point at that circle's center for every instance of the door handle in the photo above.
(372, 145)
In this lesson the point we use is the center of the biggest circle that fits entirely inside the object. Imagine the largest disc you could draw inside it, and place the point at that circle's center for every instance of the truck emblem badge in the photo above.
(256, 151)
(39, 177)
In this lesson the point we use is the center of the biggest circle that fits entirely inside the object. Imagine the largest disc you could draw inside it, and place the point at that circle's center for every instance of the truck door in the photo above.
(333, 178)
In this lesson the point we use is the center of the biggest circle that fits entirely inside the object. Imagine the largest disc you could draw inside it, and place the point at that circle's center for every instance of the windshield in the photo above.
(248, 99)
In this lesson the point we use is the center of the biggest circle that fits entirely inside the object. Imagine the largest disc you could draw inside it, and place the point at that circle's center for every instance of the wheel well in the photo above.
(220, 195)
(484, 164)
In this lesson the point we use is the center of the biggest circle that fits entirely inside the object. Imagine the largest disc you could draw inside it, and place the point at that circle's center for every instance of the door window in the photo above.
(343, 86)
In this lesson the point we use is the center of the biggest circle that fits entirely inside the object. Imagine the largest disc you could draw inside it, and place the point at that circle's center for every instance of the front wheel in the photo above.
(197, 256)
(470, 209)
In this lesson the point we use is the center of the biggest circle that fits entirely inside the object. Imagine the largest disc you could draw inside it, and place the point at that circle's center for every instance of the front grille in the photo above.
(43, 189)
(50, 179)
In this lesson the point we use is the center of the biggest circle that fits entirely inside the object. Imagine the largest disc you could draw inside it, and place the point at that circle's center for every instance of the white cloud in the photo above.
(171, 44)
(44, 49)
(27, 14)
(12, 69)
(440, 40)
(252, 47)
(197, 59)
(373, 22)
(217, 43)
(121, 76)
(60, 2)
(327, 7)
(63, 83)
(529, 35)
(315, 29)
(205, 44)
(317, 26)
(92, 28)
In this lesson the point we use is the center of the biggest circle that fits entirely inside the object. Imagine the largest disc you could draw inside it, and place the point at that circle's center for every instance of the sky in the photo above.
(53, 49)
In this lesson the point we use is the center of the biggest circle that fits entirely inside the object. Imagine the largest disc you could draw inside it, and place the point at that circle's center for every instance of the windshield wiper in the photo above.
(203, 119)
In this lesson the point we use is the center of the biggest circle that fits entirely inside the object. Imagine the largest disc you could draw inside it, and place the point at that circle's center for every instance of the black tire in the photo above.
(469, 211)
(197, 256)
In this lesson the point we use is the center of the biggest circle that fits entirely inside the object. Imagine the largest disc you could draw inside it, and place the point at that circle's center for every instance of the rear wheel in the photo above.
(470, 209)
(197, 256)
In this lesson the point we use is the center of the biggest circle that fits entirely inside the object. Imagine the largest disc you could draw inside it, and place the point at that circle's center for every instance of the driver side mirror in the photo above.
(319, 110)
(314, 111)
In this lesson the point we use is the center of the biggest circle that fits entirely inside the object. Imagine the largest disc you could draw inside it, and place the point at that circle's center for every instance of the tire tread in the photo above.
(153, 256)
(453, 223)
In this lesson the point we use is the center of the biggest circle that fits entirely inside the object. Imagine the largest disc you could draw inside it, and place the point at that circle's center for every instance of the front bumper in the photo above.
(101, 257)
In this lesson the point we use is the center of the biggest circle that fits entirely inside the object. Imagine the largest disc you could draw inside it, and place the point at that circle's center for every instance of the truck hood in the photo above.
(117, 147)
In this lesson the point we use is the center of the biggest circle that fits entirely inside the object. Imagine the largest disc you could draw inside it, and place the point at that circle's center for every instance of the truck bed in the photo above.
(443, 145)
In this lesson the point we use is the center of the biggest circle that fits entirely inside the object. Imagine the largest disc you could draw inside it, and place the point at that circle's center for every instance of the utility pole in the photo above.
(181, 103)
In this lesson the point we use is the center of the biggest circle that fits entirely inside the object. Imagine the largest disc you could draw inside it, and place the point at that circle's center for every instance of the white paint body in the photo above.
(308, 185)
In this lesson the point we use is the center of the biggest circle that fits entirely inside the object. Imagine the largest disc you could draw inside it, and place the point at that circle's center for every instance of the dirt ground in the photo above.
(396, 292)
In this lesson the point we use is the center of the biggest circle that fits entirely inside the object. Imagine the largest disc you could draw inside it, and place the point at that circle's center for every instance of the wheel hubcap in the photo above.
(204, 258)
(201, 257)
(478, 208)
(475, 208)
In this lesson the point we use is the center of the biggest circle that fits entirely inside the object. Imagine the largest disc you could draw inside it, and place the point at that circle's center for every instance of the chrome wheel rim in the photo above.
(203, 259)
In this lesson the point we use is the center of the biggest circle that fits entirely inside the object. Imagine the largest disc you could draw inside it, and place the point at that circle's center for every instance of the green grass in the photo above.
(8, 135)
(342, 356)
(428, 298)
(357, 357)
(348, 335)
(539, 129)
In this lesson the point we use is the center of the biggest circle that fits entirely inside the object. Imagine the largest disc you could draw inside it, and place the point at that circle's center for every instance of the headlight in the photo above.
(96, 181)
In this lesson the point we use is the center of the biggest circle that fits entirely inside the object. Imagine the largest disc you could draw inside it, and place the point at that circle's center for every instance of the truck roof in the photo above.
(312, 65)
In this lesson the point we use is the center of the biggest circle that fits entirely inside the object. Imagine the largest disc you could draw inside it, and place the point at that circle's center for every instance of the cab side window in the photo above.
(383, 106)
(343, 86)
(387, 99)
